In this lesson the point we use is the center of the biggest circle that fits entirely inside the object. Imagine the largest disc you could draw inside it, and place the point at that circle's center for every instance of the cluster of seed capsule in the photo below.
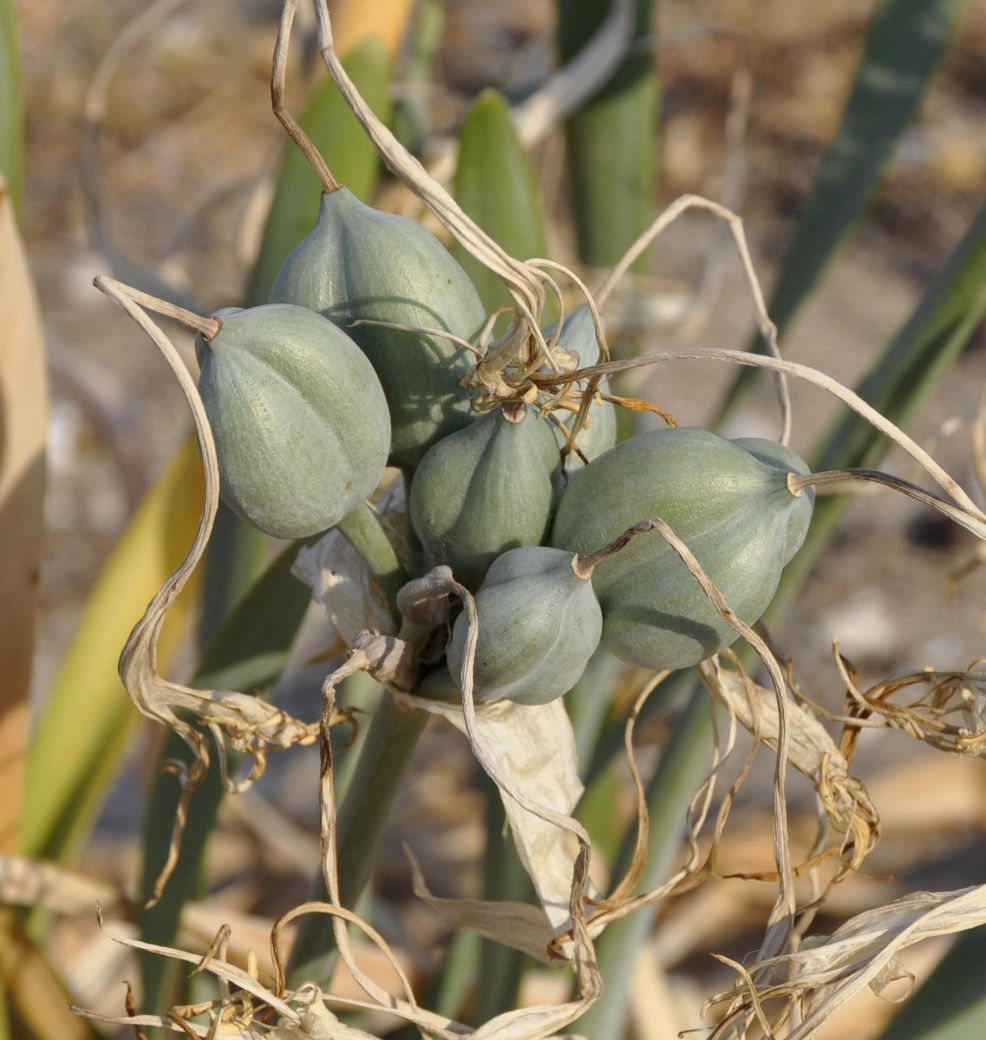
(356, 363)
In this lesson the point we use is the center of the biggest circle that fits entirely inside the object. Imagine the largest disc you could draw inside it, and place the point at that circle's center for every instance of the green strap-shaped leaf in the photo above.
(904, 45)
(11, 105)
(351, 156)
(612, 139)
(494, 184)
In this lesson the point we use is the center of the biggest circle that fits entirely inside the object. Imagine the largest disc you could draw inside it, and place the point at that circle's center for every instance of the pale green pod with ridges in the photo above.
(539, 623)
(359, 263)
(483, 490)
(733, 510)
(298, 415)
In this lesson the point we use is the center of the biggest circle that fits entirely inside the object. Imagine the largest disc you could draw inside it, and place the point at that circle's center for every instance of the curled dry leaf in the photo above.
(517, 925)
(812, 752)
(945, 709)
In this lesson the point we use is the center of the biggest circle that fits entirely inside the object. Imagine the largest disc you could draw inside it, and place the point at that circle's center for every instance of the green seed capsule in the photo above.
(731, 507)
(298, 415)
(539, 623)
(483, 490)
(360, 263)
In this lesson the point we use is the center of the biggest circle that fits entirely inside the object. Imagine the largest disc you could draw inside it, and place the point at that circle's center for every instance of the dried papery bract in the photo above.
(495, 760)
(249, 725)
(812, 752)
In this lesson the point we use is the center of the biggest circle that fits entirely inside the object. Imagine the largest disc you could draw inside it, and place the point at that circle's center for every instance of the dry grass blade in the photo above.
(840, 477)
(767, 328)
(637, 861)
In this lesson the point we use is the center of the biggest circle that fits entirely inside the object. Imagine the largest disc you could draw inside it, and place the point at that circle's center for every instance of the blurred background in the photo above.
(172, 193)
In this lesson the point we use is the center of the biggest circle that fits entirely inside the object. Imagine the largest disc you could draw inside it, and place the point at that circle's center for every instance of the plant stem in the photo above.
(362, 530)
(669, 793)
(501, 968)
(390, 742)
(376, 777)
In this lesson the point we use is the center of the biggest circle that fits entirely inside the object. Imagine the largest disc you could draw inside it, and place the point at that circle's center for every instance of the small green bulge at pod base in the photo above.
(483, 490)
(298, 415)
(360, 263)
(578, 337)
(539, 623)
(730, 504)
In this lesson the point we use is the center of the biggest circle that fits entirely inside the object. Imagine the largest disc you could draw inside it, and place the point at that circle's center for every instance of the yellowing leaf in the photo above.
(80, 738)
(23, 419)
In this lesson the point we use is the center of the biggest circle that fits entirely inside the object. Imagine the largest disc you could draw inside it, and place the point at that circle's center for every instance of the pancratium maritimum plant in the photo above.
(527, 539)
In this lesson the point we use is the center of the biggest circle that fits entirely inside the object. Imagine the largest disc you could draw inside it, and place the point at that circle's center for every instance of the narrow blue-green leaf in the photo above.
(911, 365)
(951, 1004)
(904, 45)
(11, 106)
(495, 185)
(351, 156)
(612, 139)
